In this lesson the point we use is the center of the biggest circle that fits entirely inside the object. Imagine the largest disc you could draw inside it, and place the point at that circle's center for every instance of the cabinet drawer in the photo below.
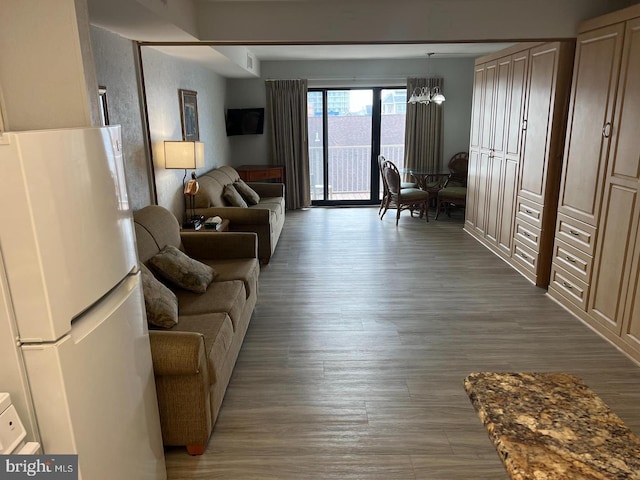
(527, 234)
(525, 256)
(576, 233)
(569, 287)
(572, 260)
(529, 211)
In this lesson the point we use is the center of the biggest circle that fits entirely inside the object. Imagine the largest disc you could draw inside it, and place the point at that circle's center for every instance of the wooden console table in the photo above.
(552, 426)
(257, 173)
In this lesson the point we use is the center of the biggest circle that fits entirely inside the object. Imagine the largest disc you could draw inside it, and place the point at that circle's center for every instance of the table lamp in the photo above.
(186, 155)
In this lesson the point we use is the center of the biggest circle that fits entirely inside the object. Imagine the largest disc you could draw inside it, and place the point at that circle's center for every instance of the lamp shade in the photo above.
(184, 155)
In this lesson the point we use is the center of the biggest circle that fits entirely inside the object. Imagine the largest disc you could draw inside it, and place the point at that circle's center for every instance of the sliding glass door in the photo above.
(348, 129)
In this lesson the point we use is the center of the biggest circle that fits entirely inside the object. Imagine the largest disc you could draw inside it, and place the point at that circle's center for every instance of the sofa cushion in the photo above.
(245, 269)
(227, 297)
(160, 303)
(161, 225)
(249, 194)
(181, 270)
(217, 331)
(232, 197)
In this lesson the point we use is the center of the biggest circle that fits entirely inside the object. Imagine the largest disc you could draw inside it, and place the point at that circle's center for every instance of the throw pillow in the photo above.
(232, 196)
(160, 303)
(181, 270)
(248, 193)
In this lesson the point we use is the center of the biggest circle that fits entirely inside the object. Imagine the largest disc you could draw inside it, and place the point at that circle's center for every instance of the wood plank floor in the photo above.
(354, 361)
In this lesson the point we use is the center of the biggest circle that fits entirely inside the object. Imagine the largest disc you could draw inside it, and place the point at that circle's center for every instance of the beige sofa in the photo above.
(193, 361)
(266, 218)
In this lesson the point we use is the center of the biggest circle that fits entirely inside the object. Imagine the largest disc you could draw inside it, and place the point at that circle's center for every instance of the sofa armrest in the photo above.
(177, 353)
(238, 215)
(220, 245)
(268, 189)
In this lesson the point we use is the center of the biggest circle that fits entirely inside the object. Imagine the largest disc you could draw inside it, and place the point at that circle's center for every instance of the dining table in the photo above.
(429, 180)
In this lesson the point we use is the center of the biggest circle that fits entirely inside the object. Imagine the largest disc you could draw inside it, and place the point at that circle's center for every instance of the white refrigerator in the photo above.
(74, 344)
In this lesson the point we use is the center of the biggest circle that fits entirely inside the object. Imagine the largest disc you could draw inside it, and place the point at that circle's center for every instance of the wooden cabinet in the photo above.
(590, 113)
(261, 173)
(519, 106)
(597, 235)
(542, 147)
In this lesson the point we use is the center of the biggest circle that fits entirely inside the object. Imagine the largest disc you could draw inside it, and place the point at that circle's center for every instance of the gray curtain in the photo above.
(423, 138)
(287, 107)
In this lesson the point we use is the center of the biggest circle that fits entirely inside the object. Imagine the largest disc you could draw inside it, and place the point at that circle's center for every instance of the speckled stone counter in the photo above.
(552, 426)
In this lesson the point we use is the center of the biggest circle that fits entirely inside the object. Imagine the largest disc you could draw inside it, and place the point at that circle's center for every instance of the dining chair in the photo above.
(402, 198)
(454, 191)
(385, 187)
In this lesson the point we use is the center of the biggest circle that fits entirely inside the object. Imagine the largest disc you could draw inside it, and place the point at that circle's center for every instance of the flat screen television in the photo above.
(245, 121)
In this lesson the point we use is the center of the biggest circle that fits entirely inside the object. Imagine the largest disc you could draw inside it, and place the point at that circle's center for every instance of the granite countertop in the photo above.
(552, 426)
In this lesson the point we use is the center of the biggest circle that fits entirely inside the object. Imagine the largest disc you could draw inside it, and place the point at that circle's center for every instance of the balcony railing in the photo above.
(349, 170)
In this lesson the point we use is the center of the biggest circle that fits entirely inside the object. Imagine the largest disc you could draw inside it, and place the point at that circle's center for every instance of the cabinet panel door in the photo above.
(476, 109)
(516, 102)
(509, 189)
(592, 99)
(631, 329)
(471, 214)
(543, 63)
(631, 322)
(494, 185)
(501, 104)
(482, 176)
(625, 148)
(612, 256)
(487, 105)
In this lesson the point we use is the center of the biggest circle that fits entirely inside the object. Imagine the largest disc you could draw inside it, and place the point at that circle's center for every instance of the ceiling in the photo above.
(135, 21)
(369, 52)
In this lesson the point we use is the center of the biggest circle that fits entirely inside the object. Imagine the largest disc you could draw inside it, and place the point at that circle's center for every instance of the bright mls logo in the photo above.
(52, 467)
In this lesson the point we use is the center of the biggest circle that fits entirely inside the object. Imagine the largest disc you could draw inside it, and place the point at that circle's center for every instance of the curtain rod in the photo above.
(369, 77)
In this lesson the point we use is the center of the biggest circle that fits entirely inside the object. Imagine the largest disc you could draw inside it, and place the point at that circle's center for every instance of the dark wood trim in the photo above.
(142, 93)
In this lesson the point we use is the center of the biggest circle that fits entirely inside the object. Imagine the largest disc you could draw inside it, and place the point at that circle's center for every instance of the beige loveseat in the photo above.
(266, 218)
(193, 361)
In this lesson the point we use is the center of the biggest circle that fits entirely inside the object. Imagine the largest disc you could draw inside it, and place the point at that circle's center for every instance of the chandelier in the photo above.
(425, 95)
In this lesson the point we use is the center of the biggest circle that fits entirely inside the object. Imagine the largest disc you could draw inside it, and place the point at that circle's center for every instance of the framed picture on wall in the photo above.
(189, 115)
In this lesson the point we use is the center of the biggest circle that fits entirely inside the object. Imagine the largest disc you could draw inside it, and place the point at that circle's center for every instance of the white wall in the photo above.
(47, 74)
(115, 61)
(458, 85)
(164, 76)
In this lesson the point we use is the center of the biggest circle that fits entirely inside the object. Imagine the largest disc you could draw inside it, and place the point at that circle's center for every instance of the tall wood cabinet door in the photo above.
(471, 215)
(471, 218)
(590, 112)
(501, 106)
(498, 144)
(482, 176)
(613, 254)
(631, 320)
(625, 142)
(510, 190)
(543, 66)
(494, 207)
(476, 107)
(488, 97)
(624, 169)
(631, 325)
(517, 98)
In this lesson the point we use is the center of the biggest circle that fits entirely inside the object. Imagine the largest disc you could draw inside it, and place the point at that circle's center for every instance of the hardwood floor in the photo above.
(354, 361)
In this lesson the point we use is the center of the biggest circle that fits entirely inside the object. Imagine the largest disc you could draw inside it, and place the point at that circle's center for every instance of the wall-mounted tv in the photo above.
(245, 121)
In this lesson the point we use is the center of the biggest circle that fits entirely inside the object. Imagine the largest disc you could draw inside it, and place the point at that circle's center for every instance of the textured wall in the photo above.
(164, 76)
(116, 70)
